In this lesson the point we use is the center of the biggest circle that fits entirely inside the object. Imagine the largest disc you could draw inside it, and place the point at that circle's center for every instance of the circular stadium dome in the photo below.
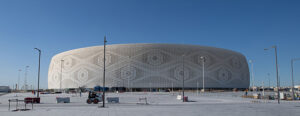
(149, 66)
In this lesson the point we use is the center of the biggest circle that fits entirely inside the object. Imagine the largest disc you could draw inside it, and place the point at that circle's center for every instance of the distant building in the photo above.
(297, 87)
(149, 66)
(4, 89)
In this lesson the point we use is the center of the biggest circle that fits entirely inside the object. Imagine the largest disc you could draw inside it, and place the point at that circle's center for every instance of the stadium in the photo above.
(142, 66)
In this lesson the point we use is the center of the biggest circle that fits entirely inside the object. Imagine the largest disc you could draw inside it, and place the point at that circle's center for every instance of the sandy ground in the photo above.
(160, 104)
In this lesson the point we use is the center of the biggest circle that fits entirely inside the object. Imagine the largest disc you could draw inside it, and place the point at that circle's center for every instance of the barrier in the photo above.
(17, 104)
(185, 99)
(112, 99)
(62, 99)
(32, 100)
(143, 99)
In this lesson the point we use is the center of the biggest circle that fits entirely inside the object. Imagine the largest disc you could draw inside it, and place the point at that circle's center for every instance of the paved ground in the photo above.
(162, 104)
(2, 94)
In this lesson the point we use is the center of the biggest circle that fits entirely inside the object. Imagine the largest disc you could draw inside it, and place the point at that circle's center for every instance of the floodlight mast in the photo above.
(276, 60)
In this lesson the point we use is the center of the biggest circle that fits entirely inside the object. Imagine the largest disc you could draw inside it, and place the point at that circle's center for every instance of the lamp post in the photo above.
(197, 87)
(150, 87)
(203, 60)
(38, 87)
(172, 87)
(252, 76)
(61, 74)
(103, 98)
(263, 94)
(277, 78)
(269, 80)
(25, 78)
(292, 65)
(183, 78)
(129, 90)
(19, 79)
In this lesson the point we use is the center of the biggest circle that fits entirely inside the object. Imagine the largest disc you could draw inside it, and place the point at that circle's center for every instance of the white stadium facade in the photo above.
(149, 66)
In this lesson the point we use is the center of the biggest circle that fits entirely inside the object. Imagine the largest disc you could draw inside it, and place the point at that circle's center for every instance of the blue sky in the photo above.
(60, 25)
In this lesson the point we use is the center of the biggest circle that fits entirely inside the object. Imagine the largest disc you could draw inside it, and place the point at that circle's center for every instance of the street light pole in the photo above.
(278, 84)
(263, 94)
(128, 83)
(38, 87)
(103, 98)
(269, 80)
(252, 76)
(277, 78)
(183, 78)
(292, 65)
(197, 87)
(150, 87)
(61, 74)
(203, 60)
(172, 87)
(25, 78)
(19, 79)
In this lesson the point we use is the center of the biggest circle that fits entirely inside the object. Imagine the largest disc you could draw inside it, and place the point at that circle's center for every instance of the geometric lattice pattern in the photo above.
(149, 66)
